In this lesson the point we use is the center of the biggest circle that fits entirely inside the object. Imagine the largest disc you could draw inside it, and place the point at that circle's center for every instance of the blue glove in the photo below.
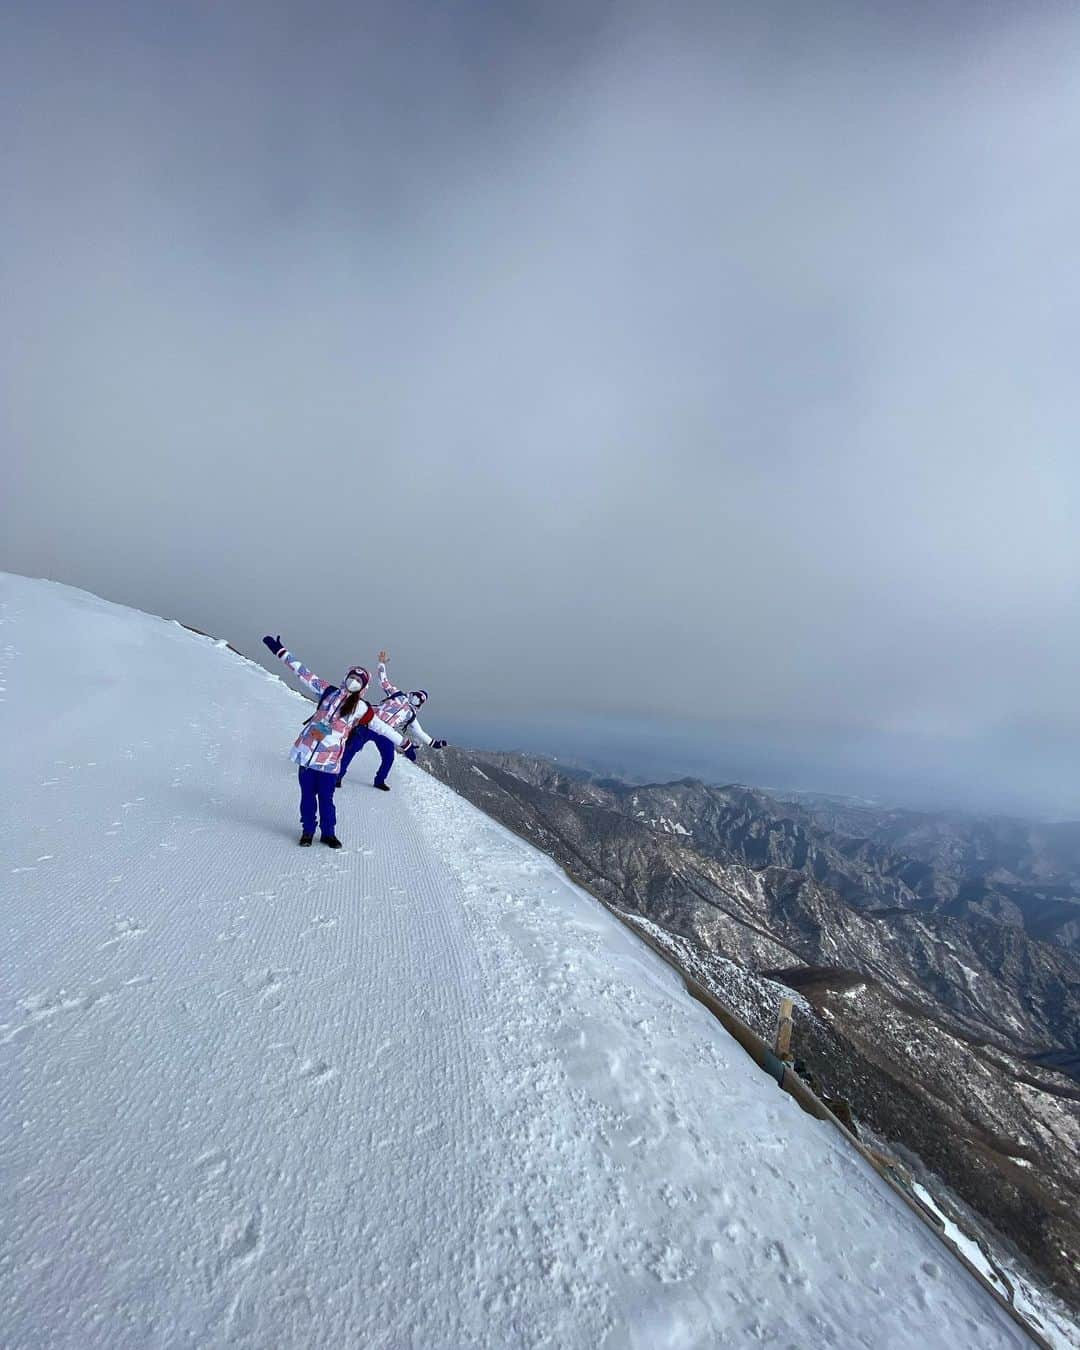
(275, 644)
(437, 745)
(410, 753)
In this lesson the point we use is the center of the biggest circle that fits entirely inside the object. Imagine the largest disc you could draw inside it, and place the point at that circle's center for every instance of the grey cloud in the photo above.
(604, 362)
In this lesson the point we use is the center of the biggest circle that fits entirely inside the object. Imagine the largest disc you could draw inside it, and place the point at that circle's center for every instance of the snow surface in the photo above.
(420, 1092)
(1054, 1324)
(753, 998)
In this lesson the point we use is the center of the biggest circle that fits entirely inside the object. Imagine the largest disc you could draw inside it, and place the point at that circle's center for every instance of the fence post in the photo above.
(784, 1027)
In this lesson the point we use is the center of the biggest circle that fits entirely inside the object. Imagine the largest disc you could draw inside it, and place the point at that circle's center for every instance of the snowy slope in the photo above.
(421, 1092)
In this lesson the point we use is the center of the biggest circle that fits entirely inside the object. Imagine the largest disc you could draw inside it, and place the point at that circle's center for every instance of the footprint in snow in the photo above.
(40, 1009)
(124, 930)
(310, 1069)
(266, 985)
(791, 1272)
(668, 1264)
(314, 1070)
(239, 1244)
(212, 1164)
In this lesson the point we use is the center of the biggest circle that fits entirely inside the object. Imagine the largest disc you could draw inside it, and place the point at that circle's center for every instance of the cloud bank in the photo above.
(671, 376)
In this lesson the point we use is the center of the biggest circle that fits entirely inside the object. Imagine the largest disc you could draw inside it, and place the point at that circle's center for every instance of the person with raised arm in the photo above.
(319, 748)
(397, 710)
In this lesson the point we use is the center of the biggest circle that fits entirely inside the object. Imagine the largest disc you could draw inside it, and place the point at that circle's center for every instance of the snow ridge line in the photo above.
(792, 1084)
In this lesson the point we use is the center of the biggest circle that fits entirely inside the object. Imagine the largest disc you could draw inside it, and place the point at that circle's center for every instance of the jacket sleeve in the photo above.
(380, 728)
(389, 688)
(306, 677)
(417, 732)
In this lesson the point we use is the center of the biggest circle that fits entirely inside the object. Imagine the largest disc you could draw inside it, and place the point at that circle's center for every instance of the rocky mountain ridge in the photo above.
(936, 1022)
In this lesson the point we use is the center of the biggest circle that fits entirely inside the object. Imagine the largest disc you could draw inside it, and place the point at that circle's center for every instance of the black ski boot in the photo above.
(331, 841)
(340, 780)
(305, 840)
(383, 787)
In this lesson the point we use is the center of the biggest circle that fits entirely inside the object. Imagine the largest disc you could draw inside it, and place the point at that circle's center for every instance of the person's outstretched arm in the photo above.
(381, 728)
(389, 688)
(306, 677)
(418, 732)
(415, 729)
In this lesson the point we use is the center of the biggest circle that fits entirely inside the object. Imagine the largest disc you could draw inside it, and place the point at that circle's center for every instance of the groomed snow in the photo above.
(422, 1092)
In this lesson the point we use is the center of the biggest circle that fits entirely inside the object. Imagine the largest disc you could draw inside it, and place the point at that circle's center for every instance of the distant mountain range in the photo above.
(936, 959)
(1014, 871)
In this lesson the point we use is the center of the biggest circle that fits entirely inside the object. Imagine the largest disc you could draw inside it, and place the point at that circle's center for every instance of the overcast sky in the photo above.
(700, 381)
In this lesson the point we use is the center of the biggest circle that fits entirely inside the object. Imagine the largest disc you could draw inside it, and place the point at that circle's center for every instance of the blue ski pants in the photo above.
(356, 743)
(317, 793)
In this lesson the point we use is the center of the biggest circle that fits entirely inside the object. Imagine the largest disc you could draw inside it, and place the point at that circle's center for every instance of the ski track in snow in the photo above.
(419, 1092)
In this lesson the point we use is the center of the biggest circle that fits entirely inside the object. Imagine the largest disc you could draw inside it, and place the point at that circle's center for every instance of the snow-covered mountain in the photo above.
(937, 1029)
(424, 1091)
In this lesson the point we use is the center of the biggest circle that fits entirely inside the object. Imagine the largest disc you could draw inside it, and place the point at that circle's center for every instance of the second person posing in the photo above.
(397, 710)
(321, 743)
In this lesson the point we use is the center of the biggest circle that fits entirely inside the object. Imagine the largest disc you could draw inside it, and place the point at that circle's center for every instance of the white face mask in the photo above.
(353, 686)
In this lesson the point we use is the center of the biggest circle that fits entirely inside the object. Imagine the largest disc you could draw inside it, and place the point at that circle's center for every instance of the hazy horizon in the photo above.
(625, 749)
(915, 784)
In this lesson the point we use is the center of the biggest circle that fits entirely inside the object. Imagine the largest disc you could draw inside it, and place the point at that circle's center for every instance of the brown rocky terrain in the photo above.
(936, 1019)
